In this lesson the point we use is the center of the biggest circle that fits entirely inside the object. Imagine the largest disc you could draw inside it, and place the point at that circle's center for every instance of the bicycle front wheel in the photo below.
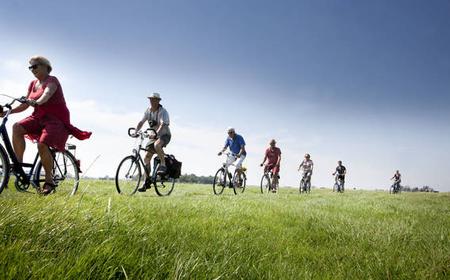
(220, 181)
(4, 169)
(128, 175)
(65, 173)
(301, 188)
(265, 184)
(163, 185)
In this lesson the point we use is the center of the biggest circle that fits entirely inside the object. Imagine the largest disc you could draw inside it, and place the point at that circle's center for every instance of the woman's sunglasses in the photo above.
(34, 66)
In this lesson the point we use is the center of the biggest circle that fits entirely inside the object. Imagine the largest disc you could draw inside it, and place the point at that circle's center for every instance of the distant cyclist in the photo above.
(307, 165)
(397, 179)
(236, 144)
(158, 119)
(273, 157)
(340, 171)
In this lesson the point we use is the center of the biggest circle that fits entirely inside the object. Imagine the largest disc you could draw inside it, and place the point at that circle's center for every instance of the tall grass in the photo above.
(98, 234)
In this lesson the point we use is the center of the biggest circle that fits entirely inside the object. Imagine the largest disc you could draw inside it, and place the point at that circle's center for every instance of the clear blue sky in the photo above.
(366, 82)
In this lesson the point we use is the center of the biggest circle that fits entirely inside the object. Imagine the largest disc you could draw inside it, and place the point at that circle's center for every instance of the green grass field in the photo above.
(98, 234)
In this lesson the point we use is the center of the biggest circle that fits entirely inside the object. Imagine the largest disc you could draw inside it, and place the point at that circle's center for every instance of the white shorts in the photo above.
(232, 159)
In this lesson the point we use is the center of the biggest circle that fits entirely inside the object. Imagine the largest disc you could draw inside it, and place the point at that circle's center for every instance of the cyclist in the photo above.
(158, 119)
(341, 171)
(236, 144)
(397, 180)
(273, 157)
(307, 165)
(49, 124)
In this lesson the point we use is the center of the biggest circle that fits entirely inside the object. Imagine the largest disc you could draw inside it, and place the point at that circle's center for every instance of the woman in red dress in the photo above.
(49, 124)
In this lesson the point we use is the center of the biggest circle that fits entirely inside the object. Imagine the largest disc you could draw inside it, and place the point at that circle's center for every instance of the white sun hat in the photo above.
(154, 95)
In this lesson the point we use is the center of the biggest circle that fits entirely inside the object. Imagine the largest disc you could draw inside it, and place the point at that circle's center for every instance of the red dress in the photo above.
(50, 122)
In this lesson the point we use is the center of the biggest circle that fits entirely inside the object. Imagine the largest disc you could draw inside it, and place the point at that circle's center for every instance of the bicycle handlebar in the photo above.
(144, 134)
(228, 154)
(21, 99)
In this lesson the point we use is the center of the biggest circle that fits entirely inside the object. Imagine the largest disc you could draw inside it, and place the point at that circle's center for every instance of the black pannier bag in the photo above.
(172, 164)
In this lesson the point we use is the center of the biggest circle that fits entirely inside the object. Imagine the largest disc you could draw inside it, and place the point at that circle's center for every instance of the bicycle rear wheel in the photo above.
(4, 169)
(128, 175)
(239, 184)
(163, 185)
(265, 184)
(65, 173)
(220, 181)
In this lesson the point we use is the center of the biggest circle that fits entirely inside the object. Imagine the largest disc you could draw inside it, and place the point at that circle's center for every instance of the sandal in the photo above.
(48, 188)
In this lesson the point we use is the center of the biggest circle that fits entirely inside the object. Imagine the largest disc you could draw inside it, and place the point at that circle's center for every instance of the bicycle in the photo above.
(339, 184)
(220, 179)
(65, 166)
(305, 183)
(129, 172)
(395, 188)
(267, 184)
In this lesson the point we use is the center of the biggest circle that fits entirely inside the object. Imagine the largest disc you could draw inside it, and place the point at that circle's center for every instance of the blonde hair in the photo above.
(42, 60)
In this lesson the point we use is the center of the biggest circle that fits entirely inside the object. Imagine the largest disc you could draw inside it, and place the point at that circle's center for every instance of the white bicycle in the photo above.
(223, 177)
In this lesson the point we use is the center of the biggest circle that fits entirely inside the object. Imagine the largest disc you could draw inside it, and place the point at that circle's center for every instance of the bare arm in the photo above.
(241, 151)
(22, 107)
(160, 127)
(48, 93)
(223, 150)
(264, 160)
(139, 125)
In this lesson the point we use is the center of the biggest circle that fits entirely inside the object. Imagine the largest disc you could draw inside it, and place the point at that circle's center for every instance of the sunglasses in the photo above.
(34, 66)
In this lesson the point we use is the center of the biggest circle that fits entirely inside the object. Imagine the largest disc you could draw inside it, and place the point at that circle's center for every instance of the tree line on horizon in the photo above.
(209, 180)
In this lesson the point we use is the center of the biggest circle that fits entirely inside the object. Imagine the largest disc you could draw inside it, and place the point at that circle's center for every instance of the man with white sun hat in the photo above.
(158, 119)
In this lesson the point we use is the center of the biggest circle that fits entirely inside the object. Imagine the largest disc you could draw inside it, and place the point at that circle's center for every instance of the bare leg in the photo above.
(18, 139)
(275, 182)
(47, 161)
(147, 162)
(159, 150)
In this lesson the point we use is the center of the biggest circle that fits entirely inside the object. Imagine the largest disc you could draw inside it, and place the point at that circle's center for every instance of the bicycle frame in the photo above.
(225, 165)
(396, 186)
(137, 151)
(339, 183)
(17, 166)
(306, 180)
(269, 175)
(306, 177)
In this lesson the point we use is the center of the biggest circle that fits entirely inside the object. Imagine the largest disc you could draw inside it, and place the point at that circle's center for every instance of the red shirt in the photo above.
(272, 155)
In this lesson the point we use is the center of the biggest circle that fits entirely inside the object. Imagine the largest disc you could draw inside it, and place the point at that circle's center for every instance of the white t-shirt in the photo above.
(155, 119)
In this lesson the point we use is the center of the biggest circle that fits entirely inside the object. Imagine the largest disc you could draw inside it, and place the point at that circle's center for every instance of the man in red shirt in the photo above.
(273, 157)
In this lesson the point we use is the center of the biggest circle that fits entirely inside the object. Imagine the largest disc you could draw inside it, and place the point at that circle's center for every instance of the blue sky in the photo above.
(361, 81)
